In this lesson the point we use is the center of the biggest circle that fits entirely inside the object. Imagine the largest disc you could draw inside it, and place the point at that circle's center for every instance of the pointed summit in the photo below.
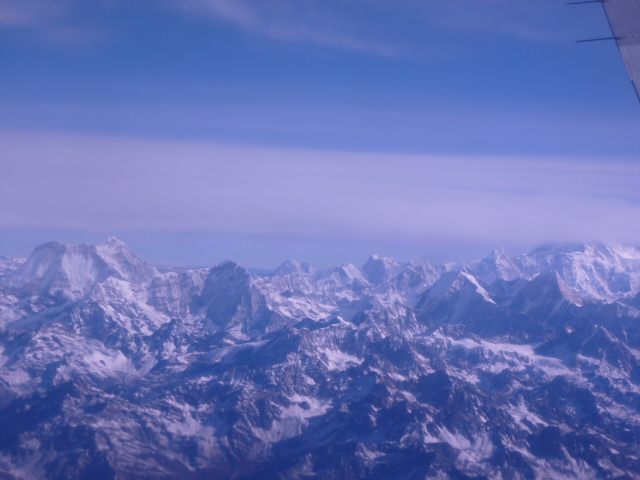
(545, 295)
(342, 275)
(379, 269)
(498, 266)
(114, 241)
(456, 283)
(122, 259)
(294, 267)
(414, 280)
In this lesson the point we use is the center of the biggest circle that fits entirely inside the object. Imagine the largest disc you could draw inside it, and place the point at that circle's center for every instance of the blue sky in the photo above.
(325, 130)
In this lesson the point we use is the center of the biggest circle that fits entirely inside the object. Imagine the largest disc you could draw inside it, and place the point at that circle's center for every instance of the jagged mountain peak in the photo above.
(70, 271)
(293, 267)
(346, 274)
(413, 280)
(455, 282)
(381, 269)
(115, 242)
(609, 251)
(221, 373)
(600, 271)
(559, 247)
(546, 292)
(498, 266)
(230, 269)
(229, 298)
(60, 269)
(500, 256)
(120, 257)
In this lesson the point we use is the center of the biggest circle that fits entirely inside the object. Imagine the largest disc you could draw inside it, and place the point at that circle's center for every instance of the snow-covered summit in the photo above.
(462, 284)
(343, 275)
(503, 368)
(600, 271)
(70, 271)
(122, 259)
(498, 266)
(294, 267)
(379, 269)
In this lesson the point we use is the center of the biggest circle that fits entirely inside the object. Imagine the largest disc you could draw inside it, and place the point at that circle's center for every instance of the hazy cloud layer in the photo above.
(293, 20)
(100, 183)
(460, 77)
(51, 21)
(32, 13)
(368, 26)
(362, 25)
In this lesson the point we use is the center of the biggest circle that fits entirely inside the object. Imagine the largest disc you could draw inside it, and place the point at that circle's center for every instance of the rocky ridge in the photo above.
(514, 368)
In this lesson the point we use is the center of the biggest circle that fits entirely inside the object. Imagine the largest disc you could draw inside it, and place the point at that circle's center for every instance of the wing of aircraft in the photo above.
(624, 17)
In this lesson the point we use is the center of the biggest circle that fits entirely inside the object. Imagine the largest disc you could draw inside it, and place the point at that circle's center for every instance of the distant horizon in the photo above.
(358, 260)
(256, 132)
(202, 130)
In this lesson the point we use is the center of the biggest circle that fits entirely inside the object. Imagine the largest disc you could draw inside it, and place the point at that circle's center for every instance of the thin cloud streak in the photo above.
(456, 129)
(51, 22)
(364, 26)
(30, 13)
(517, 19)
(314, 21)
(102, 183)
(291, 20)
(288, 20)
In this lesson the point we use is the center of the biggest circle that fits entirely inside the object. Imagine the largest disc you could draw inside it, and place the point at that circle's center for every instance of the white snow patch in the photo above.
(337, 360)
(521, 412)
(316, 407)
(471, 451)
(525, 350)
(184, 424)
(15, 377)
(549, 365)
(293, 420)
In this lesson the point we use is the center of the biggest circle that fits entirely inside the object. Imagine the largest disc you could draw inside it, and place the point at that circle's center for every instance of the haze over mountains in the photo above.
(514, 368)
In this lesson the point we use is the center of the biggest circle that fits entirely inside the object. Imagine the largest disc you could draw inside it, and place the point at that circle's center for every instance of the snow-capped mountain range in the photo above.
(505, 368)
